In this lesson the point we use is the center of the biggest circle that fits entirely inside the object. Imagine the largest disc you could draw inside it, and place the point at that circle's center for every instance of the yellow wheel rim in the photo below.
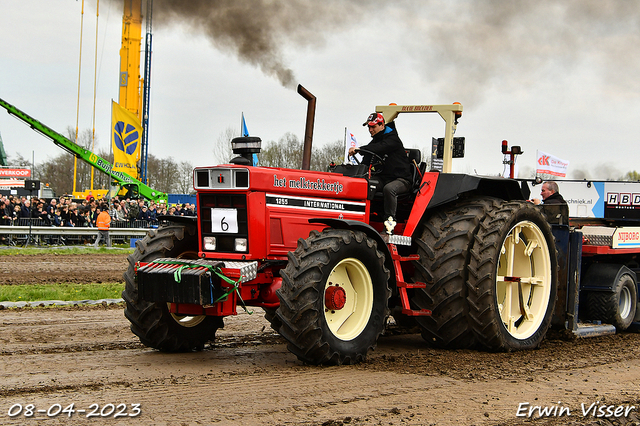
(353, 277)
(523, 282)
(187, 320)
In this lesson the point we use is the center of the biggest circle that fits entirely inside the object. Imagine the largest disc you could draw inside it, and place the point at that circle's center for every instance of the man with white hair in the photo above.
(550, 194)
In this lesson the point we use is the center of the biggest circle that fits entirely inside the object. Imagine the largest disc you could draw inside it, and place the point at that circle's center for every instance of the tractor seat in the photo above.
(418, 168)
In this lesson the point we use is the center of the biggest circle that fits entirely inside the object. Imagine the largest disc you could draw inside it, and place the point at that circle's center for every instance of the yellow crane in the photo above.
(130, 79)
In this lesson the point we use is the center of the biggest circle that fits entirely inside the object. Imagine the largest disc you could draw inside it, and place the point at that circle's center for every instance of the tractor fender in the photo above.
(370, 232)
(453, 186)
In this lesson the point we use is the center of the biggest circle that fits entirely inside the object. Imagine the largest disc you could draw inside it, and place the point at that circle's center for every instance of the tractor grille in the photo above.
(225, 242)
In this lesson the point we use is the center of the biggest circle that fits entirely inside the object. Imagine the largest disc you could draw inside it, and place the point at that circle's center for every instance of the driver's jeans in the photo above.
(390, 192)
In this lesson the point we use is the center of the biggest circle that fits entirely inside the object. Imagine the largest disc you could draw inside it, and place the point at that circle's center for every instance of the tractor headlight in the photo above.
(241, 244)
(209, 243)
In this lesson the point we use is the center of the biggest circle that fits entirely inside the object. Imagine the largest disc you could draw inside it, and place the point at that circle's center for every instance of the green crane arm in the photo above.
(123, 179)
(3, 155)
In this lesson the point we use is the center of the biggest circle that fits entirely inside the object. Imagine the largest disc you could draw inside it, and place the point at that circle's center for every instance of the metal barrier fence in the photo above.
(33, 231)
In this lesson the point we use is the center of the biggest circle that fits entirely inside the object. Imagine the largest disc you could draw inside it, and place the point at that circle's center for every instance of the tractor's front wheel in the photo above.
(512, 277)
(334, 297)
(152, 322)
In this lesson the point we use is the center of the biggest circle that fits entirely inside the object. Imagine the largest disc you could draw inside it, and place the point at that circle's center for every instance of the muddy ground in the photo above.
(89, 356)
(52, 268)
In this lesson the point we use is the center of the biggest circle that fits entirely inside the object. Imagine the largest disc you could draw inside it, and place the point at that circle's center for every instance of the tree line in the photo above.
(166, 174)
(170, 176)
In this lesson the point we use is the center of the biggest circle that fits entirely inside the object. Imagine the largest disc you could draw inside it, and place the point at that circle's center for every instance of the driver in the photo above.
(396, 174)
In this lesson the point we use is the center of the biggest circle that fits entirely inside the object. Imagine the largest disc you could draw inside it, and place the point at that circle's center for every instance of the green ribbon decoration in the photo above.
(177, 276)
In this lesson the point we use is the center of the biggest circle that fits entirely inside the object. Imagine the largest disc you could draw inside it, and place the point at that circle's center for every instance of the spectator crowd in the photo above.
(64, 211)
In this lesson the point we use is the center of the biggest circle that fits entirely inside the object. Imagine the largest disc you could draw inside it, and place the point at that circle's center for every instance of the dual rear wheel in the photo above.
(512, 278)
(491, 276)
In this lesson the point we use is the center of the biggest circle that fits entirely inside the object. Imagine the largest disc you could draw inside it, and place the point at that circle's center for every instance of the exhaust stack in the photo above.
(308, 131)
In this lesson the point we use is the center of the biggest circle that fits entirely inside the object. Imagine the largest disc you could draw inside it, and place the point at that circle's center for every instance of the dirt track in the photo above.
(86, 356)
(50, 268)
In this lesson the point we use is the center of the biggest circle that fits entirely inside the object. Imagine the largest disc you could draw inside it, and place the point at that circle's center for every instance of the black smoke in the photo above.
(256, 30)
(463, 48)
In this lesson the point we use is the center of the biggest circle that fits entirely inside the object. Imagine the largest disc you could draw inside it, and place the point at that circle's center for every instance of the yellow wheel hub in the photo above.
(523, 283)
(187, 320)
(348, 299)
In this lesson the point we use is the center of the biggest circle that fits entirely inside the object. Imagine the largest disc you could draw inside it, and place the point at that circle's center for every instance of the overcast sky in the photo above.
(560, 77)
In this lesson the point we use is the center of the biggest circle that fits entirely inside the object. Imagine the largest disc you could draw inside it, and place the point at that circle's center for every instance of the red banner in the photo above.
(19, 173)
(11, 183)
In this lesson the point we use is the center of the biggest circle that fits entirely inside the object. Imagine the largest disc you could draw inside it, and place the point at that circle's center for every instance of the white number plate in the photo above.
(224, 220)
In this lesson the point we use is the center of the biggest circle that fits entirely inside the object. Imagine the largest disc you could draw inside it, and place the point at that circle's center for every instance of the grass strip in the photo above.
(64, 292)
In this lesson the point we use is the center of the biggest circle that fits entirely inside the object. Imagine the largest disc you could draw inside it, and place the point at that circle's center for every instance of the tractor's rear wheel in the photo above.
(444, 246)
(334, 297)
(270, 315)
(151, 321)
(512, 277)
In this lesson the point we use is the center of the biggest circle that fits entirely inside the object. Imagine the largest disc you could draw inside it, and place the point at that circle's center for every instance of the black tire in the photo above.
(498, 308)
(617, 307)
(270, 315)
(151, 321)
(317, 334)
(444, 249)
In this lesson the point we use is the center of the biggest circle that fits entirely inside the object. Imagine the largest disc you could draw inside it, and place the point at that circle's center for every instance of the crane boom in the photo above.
(130, 81)
(3, 155)
(122, 179)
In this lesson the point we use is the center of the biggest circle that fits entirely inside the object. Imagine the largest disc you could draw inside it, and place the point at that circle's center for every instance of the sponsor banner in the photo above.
(551, 165)
(627, 237)
(621, 200)
(126, 139)
(20, 173)
(11, 183)
(601, 199)
(585, 199)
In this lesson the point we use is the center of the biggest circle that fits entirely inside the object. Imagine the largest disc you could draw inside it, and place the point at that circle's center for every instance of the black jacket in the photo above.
(555, 198)
(387, 144)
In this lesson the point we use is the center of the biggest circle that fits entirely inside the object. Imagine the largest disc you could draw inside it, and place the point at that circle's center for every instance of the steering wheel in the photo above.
(377, 162)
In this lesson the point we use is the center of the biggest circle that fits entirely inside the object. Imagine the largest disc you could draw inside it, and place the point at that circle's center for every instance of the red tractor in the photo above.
(471, 262)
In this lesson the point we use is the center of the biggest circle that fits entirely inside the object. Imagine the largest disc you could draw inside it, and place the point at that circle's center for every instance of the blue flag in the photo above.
(245, 133)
